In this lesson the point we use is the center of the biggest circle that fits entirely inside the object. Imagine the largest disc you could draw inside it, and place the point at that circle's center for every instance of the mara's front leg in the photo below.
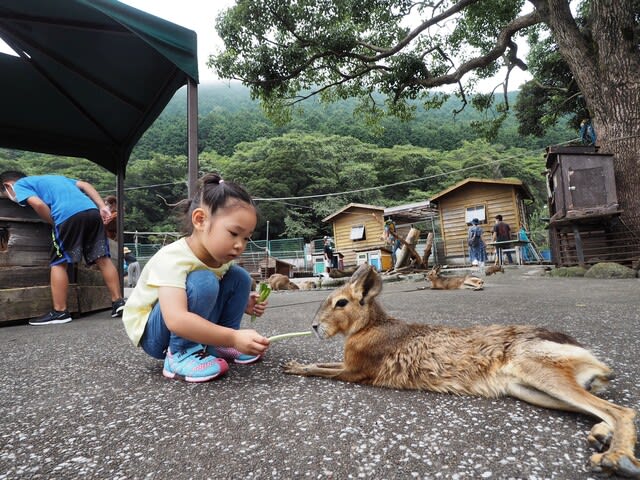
(327, 370)
(336, 370)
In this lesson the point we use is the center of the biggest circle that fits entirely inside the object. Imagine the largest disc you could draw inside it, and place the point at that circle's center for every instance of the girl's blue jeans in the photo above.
(220, 301)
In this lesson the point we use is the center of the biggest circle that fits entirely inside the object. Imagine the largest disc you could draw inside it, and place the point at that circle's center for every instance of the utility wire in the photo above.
(443, 174)
(367, 189)
(404, 182)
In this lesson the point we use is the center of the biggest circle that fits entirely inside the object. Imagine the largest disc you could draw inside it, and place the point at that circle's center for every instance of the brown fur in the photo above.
(491, 269)
(278, 281)
(438, 282)
(308, 285)
(545, 368)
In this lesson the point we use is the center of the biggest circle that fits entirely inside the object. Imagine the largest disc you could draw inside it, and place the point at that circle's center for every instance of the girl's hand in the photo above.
(250, 342)
(254, 307)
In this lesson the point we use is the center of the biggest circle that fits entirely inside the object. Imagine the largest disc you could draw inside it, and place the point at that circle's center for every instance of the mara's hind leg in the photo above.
(539, 398)
(601, 433)
(559, 381)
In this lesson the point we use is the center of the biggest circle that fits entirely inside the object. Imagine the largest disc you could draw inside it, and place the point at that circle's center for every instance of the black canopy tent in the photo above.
(90, 77)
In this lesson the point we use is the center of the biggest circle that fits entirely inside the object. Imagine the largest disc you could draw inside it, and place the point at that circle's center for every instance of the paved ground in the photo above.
(78, 401)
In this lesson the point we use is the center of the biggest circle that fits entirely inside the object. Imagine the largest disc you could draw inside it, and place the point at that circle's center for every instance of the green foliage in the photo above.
(552, 96)
(309, 169)
(229, 117)
(482, 22)
(351, 49)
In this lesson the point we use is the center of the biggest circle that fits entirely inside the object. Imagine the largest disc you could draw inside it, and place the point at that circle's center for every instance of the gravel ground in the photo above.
(79, 401)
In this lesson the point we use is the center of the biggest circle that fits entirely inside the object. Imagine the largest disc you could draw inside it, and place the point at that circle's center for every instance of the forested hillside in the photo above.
(229, 116)
(323, 150)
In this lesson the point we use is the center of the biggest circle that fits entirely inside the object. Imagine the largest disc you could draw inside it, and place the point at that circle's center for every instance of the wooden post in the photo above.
(427, 250)
(578, 240)
(403, 254)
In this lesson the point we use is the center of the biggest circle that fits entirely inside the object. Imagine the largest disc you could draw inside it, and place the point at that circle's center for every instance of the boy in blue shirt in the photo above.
(76, 212)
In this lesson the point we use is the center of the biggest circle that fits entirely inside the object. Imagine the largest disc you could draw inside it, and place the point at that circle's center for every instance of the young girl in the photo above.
(190, 298)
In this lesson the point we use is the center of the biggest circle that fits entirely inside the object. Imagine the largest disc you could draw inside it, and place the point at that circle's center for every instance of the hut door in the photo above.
(587, 188)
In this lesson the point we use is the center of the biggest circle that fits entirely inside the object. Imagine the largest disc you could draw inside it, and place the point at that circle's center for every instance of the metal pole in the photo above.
(120, 224)
(192, 135)
(266, 271)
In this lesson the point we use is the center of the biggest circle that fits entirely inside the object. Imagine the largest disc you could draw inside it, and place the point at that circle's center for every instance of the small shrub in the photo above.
(569, 272)
(610, 270)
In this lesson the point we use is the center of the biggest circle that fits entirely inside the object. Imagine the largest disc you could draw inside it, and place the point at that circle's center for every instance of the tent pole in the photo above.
(192, 121)
(120, 224)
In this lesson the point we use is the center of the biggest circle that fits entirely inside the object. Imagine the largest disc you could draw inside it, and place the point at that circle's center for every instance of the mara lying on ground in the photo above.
(545, 368)
(278, 281)
(491, 269)
(439, 282)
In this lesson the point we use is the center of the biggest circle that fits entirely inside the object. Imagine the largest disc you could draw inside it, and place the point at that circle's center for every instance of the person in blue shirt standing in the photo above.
(76, 212)
(477, 247)
(525, 249)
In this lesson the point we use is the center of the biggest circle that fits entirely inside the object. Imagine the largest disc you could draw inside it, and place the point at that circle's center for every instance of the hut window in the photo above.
(357, 232)
(477, 211)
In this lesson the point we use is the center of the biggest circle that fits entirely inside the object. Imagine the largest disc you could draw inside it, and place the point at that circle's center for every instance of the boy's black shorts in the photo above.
(81, 235)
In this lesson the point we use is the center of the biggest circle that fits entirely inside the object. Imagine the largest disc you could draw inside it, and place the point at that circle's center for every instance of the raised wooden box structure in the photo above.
(25, 292)
(581, 183)
(584, 224)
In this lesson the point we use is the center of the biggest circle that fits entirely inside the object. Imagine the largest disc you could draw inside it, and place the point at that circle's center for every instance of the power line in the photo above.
(336, 194)
(147, 186)
(404, 182)
(443, 174)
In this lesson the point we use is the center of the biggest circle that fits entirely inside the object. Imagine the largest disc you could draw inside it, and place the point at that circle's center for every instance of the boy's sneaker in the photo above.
(193, 365)
(53, 317)
(117, 307)
(231, 354)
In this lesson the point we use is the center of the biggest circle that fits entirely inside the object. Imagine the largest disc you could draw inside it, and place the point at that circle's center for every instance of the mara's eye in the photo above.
(342, 302)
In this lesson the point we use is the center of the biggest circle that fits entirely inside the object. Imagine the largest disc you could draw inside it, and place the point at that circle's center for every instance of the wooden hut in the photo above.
(25, 290)
(482, 199)
(357, 229)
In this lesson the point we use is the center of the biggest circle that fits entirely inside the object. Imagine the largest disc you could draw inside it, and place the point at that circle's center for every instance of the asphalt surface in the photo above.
(79, 401)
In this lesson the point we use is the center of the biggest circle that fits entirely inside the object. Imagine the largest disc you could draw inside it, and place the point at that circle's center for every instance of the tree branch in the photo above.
(572, 44)
(503, 41)
(388, 52)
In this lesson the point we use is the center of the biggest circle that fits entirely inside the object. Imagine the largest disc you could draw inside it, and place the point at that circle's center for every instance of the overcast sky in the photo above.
(196, 15)
(200, 15)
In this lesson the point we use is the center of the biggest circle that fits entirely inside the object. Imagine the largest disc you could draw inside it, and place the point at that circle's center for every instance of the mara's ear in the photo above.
(365, 283)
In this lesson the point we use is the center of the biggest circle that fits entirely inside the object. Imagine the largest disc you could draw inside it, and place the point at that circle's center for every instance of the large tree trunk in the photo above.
(607, 70)
(618, 109)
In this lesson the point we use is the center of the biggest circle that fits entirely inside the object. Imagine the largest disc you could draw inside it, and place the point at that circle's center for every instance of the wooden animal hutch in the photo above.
(274, 265)
(483, 199)
(24, 269)
(584, 226)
